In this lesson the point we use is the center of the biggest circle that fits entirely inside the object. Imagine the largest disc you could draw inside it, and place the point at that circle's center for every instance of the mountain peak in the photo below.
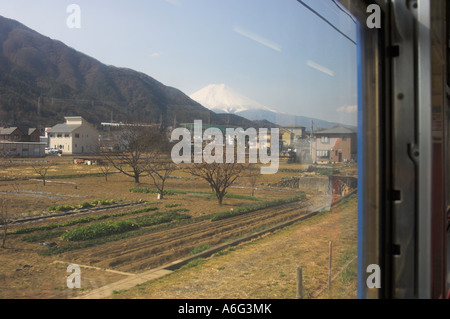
(223, 99)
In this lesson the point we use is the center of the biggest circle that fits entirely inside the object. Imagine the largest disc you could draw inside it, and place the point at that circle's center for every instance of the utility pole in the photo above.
(311, 140)
(39, 107)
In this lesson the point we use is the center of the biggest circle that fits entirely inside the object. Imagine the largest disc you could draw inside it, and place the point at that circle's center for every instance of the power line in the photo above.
(345, 11)
(325, 20)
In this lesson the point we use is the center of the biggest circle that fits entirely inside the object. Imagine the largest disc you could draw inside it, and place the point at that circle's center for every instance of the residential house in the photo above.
(334, 145)
(20, 142)
(33, 135)
(298, 131)
(287, 138)
(75, 136)
(19, 134)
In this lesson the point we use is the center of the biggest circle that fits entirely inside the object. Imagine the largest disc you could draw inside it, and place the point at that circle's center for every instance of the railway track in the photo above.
(161, 247)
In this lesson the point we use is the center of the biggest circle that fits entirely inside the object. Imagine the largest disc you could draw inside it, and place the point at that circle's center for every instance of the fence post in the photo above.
(299, 283)
(330, 250)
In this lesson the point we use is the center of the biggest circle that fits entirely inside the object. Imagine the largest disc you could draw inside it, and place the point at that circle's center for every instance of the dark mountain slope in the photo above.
(42, 80)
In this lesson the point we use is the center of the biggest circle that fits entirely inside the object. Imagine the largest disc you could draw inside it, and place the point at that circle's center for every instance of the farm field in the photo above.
(265, 268)
(116, 233)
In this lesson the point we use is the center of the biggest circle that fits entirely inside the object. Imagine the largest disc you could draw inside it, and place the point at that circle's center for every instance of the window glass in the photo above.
(256, 105)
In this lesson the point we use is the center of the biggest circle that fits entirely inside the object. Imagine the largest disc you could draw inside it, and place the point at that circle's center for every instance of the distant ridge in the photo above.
(42, 80)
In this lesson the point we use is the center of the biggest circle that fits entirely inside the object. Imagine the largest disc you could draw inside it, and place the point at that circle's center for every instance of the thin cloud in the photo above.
(174, 2)
(348, 109)
(320, 68)
(155, 54)
(256, 37)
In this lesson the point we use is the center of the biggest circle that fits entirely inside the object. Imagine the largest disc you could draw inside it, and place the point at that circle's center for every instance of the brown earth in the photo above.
(25, 274)
(265, 268)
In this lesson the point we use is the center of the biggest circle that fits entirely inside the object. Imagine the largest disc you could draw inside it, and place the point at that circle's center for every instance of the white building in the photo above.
(76, 136)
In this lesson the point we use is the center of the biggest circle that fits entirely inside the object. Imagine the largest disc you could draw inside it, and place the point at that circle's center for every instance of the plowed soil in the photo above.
(26, 274)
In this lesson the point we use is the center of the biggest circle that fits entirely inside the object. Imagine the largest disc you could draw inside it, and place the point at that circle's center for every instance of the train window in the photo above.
(298, 79)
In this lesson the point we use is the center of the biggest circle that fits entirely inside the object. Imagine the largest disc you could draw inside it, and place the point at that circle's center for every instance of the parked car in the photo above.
(52, 150)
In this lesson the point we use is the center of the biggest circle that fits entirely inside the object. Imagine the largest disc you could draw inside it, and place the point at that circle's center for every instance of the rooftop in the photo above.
(336, 130)
(63, 128)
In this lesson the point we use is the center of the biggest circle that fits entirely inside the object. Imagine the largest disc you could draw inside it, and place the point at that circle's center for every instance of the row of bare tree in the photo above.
(140, 152)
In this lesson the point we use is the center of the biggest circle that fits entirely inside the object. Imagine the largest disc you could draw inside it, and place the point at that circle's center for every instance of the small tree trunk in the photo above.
(4, 220)
(161, 189)
(220, 197)
(5, 228)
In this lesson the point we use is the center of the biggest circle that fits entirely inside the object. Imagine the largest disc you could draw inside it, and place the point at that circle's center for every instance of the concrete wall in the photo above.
(22, 149)
(318, 184)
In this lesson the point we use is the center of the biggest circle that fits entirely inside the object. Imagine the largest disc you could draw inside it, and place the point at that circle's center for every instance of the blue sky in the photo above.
(276, 52)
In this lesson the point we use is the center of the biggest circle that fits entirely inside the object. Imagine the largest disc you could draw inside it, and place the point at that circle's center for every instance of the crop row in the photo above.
(252, 208)
(146, 190)
(95, 203)
(103, 229)
(83, 220)
(141, 231)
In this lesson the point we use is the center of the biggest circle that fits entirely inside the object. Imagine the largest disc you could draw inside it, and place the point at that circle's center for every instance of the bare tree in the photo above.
(105, 168)
(132, 149)
(4, 220)
(253, 175)
(41, 168)
(220, 176)
(159, 169)
(6, 162)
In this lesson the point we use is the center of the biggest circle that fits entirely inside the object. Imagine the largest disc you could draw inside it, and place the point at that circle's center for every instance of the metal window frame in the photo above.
(394, 158)
(373, 130)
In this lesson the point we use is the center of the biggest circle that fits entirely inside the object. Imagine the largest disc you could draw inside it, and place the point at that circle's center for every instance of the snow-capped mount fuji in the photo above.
(220, 98)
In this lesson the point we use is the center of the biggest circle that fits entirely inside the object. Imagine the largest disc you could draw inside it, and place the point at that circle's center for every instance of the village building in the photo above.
(20, 142)
(75, 136)
(19, 134)
(292, 134)
(334, 145)
(22, 149)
